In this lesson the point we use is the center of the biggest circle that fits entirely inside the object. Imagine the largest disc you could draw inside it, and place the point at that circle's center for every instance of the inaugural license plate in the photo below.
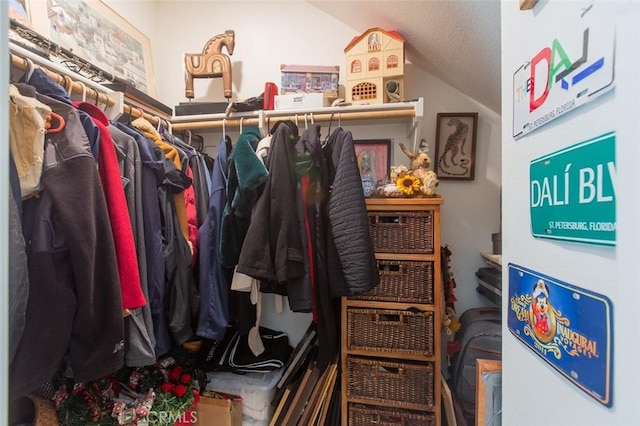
(567, 326)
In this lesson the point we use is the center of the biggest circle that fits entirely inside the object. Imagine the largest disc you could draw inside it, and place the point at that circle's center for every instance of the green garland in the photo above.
(162, 393)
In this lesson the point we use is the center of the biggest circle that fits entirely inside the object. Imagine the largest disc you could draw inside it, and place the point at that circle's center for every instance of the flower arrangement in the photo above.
(160, 394)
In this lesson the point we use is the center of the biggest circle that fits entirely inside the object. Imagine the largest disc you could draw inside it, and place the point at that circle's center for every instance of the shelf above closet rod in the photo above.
(336, 114)
(112, 100)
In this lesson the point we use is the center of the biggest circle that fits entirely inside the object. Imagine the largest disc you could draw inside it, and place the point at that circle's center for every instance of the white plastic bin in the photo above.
(256, 389)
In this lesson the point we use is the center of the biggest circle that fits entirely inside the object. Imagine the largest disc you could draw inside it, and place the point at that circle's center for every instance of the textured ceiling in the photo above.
(457, 41)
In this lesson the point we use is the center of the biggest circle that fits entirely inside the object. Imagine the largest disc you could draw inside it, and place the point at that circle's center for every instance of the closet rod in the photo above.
(271, 119)
(217, 124)
(78, 84)
(22, 64)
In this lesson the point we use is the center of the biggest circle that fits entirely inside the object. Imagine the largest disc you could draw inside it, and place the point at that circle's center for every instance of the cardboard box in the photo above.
(302, 100)
(219, 412)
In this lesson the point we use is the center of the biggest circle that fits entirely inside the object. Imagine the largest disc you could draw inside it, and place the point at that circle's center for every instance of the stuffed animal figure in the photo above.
(419, 167)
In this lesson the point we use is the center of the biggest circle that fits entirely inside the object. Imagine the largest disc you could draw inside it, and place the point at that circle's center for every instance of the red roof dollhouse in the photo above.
(375, 67)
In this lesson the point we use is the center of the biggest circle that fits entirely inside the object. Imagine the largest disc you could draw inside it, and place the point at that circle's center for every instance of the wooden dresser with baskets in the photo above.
(391, 335)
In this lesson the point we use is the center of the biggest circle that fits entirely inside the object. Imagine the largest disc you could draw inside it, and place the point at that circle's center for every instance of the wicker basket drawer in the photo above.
(387, 330)
(402, 282)
(401, 384)
(401, 232)
(366, 415)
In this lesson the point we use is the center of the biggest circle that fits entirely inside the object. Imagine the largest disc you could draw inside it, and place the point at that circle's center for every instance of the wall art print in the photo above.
(456, 145)
(99, 35)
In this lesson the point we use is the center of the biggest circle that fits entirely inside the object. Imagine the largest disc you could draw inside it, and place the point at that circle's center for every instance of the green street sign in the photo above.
(572, 192)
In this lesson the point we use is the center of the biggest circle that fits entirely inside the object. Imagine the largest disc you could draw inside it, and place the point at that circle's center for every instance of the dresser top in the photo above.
(419, 202)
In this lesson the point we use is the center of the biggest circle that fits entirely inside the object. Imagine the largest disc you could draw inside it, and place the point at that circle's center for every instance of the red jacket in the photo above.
(132, 296)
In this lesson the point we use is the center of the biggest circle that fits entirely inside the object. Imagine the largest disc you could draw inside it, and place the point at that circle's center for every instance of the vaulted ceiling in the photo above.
(457, 41)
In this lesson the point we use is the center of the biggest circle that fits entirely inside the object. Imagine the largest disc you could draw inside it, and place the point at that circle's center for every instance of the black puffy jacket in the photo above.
(352, 264)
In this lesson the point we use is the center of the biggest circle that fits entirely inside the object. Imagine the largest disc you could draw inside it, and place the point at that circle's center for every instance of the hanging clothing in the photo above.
(247, 176)
(171, 153)
(46, 86)
(200, 186)
(273, 251)
(18, 268)
(140, 339)
(214, 277)
(26, 139)
(75, 305)
(351, 261)
(327, 308)
(181, 296)
(132, 296)
(151, 178)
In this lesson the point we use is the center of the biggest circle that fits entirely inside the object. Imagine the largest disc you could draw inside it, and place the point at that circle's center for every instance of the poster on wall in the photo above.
(568, 327)
(99, 35)
(573, 67)
(573, 192)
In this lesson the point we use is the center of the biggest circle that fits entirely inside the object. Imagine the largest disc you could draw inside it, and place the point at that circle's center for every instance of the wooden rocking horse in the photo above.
(211, 63)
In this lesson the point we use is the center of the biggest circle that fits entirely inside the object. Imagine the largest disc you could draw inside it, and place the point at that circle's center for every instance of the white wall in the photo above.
(533, 392)
(269, 34)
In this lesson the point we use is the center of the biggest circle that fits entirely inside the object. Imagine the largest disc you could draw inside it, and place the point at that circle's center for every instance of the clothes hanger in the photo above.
(97, 101)
(241, 119)
(68, 85)
(224, 128)
(84, 91)
(129, 117)
(159, 127)
(54, 123)
(324, 142)
(28, 72)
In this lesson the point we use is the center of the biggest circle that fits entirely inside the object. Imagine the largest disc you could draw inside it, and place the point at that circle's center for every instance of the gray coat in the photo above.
(140, 338)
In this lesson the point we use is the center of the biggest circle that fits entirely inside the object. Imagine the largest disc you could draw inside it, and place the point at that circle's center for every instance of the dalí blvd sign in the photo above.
(572, 192)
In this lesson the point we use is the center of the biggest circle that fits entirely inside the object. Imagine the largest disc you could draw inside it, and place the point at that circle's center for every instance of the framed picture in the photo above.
(488, 392)
(97, 34)
(374, 158)
(19, 10)
(456, 145)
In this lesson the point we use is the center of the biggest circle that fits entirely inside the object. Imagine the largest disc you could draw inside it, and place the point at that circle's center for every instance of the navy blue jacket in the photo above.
(214, 277)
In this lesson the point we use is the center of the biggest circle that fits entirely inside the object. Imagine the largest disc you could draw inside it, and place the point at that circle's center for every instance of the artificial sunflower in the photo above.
(408, 184)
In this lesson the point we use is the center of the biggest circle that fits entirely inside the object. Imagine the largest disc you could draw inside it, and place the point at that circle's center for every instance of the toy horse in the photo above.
(211, 63)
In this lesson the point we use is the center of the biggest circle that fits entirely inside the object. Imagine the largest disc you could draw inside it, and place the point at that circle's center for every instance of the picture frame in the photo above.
(99, 35)
(488, 392)
(374, 158)
(19, 10)
(456, 145)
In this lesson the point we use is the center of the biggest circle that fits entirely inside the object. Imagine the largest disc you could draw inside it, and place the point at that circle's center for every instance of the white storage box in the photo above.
(301, 100)
(256, 389)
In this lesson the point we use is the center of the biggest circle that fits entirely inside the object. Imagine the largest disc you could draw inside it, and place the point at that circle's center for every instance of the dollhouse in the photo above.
(375, 67)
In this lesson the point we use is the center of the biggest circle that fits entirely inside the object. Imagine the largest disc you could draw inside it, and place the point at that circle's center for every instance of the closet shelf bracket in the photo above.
(113, 112)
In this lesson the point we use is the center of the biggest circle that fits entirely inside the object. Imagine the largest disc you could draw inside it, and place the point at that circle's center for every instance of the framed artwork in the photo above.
(19, 10)
(374, 158)
(99, 35)
(456, 145)
(488, 392)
